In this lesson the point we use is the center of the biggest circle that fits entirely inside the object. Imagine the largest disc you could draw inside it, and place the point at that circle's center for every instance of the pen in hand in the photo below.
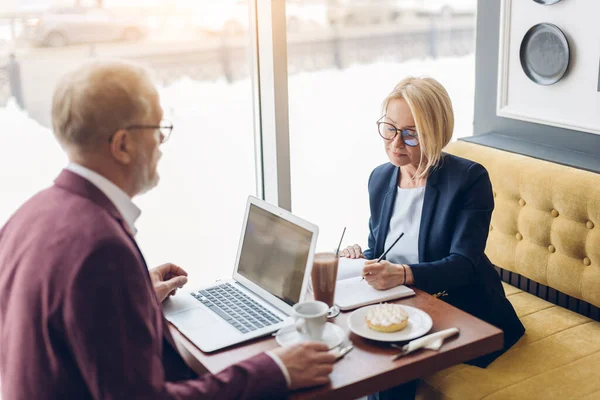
(387, 251)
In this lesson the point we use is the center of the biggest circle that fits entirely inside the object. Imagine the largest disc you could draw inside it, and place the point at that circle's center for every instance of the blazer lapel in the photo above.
(429, 204)
(74, 183)
(165, 327)
(387, 209)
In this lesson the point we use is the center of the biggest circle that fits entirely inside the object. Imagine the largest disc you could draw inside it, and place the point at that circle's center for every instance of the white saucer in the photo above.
(419, 323)
(333, 336)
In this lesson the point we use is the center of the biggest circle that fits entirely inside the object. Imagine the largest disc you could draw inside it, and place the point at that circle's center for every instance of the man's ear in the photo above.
(122, 147)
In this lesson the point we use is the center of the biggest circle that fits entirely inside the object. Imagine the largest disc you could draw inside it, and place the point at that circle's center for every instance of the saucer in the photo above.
(333, 336)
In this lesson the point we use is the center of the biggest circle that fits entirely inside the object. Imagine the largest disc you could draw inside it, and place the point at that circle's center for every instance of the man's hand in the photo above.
(309, 364)
(166, 279)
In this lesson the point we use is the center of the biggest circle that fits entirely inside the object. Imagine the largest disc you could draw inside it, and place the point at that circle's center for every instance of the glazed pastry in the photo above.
(387, 318)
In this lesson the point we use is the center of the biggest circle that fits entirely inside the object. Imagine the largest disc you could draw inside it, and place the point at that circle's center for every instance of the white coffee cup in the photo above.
(311, 317)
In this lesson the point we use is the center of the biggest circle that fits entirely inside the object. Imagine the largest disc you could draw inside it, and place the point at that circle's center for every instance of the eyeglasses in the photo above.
(387, 131)
(165, 128)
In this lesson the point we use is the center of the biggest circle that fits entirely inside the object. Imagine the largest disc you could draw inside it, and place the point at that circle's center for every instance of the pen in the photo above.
(387, 251)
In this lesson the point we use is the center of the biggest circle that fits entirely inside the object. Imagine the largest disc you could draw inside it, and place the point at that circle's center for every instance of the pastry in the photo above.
(387, 318)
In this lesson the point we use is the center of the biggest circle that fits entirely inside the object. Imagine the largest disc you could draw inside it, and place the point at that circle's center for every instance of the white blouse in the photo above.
(406, 218)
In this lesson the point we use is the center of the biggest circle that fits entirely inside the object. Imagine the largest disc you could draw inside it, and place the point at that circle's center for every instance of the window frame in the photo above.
(268, 35)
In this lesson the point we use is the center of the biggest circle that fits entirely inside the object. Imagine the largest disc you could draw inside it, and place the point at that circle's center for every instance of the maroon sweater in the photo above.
(79, 318)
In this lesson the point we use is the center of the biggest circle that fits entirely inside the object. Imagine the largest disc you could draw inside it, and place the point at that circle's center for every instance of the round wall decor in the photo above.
(547, 2)
(545, 54)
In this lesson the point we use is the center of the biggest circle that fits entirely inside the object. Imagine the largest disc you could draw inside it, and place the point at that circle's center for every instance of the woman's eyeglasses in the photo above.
(387, 131)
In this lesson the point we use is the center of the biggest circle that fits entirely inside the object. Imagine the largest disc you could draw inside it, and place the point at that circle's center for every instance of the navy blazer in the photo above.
(457, 210)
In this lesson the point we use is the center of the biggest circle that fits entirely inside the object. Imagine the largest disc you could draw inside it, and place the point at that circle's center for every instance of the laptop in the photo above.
(271, 274)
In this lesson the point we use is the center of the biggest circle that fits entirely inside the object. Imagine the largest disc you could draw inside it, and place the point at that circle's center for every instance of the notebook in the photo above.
(352, 291)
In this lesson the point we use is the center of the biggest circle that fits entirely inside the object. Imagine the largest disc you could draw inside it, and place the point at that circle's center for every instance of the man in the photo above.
(80, 316)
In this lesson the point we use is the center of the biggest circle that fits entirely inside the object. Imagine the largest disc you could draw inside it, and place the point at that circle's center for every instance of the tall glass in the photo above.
(324, 276)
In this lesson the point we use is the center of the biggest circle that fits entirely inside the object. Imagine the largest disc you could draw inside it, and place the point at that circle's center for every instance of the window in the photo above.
(199, 54)
(344, 57)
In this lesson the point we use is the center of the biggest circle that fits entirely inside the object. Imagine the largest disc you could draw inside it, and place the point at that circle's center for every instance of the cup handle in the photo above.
(300, 323)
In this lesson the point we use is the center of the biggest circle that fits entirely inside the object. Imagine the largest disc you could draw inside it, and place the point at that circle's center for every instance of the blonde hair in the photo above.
(94, 101)
(431, 108)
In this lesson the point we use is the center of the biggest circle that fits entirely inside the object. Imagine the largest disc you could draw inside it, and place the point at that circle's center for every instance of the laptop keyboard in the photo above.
(239, 310)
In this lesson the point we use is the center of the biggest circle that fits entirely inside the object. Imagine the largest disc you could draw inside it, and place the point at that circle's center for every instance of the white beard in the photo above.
(146, 179)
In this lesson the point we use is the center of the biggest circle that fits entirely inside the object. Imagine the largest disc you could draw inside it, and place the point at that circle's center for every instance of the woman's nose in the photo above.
(398, 143)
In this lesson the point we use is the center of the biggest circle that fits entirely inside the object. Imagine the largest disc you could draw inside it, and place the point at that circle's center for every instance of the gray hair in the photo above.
(94, 101)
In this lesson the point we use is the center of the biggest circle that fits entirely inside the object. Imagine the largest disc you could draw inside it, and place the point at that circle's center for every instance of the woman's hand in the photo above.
(385, 275)
(352, 252)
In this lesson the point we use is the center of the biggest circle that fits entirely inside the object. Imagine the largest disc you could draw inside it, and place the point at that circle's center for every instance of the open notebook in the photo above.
(353, 292)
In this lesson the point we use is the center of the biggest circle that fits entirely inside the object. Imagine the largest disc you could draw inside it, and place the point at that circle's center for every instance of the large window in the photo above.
(344, 57)
(199, 52)
(231, 126)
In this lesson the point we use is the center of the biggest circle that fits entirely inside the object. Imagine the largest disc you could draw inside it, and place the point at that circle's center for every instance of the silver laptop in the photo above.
(271, 274)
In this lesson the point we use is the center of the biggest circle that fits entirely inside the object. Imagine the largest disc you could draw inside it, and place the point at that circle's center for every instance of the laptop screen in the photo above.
(274, 254)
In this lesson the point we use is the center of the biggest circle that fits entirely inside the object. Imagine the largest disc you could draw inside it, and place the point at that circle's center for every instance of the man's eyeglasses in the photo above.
(387, 131)
(165, 128)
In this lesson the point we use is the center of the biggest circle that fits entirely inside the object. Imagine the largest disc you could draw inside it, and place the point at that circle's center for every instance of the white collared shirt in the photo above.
(128, 210)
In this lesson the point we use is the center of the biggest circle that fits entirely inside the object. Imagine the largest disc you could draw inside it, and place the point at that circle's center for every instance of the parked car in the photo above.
(231, 16)
(63, 26)
(362, 12)
(447, 7)
(305, 13)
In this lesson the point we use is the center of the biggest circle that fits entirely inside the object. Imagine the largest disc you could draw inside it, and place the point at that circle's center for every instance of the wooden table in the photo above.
(367, 368)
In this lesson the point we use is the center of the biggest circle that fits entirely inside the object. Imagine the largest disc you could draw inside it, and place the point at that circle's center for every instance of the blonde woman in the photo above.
(442, 203)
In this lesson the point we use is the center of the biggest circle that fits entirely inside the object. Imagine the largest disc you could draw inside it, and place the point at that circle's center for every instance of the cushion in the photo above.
(557, 358)
(546, 221)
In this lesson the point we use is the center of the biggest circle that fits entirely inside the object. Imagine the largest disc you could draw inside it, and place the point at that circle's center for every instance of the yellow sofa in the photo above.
(544, 235)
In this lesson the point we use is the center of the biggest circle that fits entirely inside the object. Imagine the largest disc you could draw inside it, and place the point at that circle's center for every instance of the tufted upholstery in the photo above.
(546, 221)
(558, 358)
(546, 227)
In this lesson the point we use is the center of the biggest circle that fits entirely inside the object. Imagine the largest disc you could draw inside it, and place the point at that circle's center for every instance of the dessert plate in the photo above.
(419, 323)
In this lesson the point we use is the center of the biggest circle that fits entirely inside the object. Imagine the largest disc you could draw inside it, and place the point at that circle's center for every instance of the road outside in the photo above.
(210, 57)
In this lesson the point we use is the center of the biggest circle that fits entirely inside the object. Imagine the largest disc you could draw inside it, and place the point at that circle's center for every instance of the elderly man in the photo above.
(80, 315)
